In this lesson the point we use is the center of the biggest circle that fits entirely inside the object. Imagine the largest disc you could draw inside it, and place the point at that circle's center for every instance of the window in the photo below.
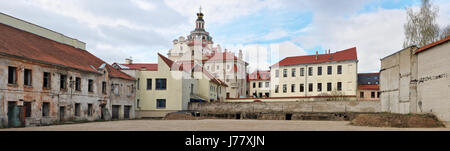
(276, 88)
(284, 72)
(228, 66)
(319, 70)
(27, 77)
(138, 103)
(284, 88)
(339, 69)
(27, 108)
(116, 89)
(254, 84)
(267, 84)
(339, 86)
(319, 87)
(138, 83)
(302, 72)
(161, 84)
(77, 109)
(372, 94)
(329, 88)
(47, 80)
(310, 87)
(310, 71)
(259, 84)
(292, 87)
(277, 73)
(63, 81)
(330, 70)
(78, 84)
(45, 109)
(89, 109)
(149, 84)
(293, 72)
(302, 87)
(217, 67)
(361, 94)
(378, 94)
(12, 75)
(161, 103)
(192, 88)
(90, 85)
(104, 87)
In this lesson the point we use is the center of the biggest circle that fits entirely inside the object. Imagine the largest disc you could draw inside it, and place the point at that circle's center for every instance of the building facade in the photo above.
(368, 87)
(330, 74)
(169, 86)
(415, 80)
(47, 81)
(259, 84)
(224, 65)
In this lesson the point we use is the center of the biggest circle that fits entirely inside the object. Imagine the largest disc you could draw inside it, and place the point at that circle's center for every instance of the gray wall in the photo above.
(307, 106)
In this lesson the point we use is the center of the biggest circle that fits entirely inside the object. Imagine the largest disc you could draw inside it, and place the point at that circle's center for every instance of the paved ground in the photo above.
(216, 125)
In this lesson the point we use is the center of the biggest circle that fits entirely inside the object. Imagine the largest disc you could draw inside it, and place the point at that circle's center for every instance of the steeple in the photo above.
(200, 23)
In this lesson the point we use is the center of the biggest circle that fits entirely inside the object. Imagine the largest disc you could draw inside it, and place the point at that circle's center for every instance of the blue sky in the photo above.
(274, 29)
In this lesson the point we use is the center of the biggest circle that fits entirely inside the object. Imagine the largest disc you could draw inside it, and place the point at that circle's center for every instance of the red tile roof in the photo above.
(344, 55)
(260, 75)
(424, 48)
(368, 87)
(16, 42)
(139, 66)
(188, 66)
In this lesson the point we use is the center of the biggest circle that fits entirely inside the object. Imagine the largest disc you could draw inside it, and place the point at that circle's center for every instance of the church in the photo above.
(198, 48)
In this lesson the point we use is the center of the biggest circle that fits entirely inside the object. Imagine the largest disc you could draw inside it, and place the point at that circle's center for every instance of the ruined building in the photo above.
(368, 86)
(47, 77)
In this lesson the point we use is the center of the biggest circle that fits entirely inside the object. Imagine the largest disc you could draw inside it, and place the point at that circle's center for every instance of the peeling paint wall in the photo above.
(57, 97)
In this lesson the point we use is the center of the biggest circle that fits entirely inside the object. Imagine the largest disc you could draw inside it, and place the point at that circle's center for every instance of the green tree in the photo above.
(421, 28)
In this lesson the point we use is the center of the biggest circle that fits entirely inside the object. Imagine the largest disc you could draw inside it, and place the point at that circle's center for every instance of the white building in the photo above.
(315, 75)
(198, 47)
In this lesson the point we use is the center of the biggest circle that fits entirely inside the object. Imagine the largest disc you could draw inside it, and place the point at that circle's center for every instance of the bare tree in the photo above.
(421, 28)
(445, 32)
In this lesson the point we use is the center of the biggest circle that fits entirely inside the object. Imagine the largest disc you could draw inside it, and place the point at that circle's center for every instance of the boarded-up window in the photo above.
(27, 77)
(45, 109)
(77, 109)
(47, 80)
(12, 75)
(27, 108)
(90, 109)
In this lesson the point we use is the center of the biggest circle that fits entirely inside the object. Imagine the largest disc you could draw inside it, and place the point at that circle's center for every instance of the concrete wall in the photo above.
(433, 84)
(348, 79)
(56, 97)
(396, 74)
(41, 31)
(306, 106)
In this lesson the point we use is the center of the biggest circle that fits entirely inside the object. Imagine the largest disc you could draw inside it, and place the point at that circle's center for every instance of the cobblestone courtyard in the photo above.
(216, 125)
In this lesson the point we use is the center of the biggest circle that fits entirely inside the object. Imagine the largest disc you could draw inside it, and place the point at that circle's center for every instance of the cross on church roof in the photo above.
(200, 9)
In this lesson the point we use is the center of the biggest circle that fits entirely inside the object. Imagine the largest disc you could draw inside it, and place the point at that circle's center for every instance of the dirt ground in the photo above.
(217, 125)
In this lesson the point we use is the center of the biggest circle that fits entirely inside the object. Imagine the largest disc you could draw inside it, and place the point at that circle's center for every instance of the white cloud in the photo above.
(145, 5)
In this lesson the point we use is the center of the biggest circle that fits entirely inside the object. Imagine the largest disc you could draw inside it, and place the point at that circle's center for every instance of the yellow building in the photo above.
(315, 75)
(169, 86)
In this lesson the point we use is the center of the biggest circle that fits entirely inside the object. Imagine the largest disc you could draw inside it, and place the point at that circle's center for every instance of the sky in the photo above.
(266, 30)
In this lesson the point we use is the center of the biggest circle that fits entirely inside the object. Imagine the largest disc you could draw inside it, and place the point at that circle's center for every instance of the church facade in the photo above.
(198, 47)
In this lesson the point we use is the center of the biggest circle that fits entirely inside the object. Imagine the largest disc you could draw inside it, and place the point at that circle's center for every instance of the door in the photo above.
(15, 115)
(115, 112)
(126, 112)
(62, 110)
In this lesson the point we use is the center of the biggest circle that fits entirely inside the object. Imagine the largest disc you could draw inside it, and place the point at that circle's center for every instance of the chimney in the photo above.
(317, 55)
(128, 61)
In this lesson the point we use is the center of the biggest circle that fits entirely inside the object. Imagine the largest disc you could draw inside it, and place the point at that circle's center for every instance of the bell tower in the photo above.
(200, 23)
